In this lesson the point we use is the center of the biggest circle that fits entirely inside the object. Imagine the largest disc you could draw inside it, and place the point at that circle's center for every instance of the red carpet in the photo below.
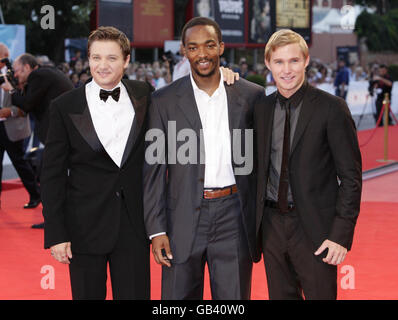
(372, 146)
(371, 263)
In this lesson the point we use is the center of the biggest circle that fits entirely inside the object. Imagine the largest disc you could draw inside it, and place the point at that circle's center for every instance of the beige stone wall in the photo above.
(324, 45)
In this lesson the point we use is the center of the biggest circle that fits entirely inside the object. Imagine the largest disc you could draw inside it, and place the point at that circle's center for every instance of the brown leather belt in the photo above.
(219, 193)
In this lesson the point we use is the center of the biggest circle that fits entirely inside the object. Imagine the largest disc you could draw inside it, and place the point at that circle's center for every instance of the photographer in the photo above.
(13, 131)
(383, 84)
(40, 86)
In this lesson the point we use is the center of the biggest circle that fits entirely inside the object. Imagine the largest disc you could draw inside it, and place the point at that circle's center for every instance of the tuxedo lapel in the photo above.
(140, 103)
(83, 122)
(306, 112)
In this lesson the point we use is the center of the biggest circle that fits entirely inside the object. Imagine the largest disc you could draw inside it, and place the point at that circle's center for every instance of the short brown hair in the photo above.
(110, 34)
(283, 38)
(27, 59)
(201, 21)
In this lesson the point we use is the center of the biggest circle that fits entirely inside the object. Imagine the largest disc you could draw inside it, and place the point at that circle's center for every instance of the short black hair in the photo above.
(383, 66)
(201, 21)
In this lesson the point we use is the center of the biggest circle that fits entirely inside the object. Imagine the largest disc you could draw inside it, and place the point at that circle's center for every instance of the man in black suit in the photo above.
(13, 130)
(92, 176)
(309, 177)
(40, 86)
(199, 198)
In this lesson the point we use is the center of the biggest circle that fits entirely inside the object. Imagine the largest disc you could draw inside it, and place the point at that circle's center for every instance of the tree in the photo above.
(382, 6)
(72, 20)
(380, 31)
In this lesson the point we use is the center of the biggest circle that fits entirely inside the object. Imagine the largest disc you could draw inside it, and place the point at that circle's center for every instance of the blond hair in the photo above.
(283, 38)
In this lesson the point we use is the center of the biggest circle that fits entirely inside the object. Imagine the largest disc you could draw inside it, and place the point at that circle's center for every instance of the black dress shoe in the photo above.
(38, 226)
(32, 204)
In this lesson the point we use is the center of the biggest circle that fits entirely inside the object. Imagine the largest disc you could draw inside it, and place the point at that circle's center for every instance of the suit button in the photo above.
(201, 180)
(262, 199)
(198, 209)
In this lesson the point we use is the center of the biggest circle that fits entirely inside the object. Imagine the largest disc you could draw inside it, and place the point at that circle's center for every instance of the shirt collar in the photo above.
(296, 98)
(97, 87)
(197, 89)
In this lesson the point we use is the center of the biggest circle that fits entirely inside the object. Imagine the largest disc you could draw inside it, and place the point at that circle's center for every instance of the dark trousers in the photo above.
(338, 93)
(15, 152)
(293, 271)
(220, 240)
(128, 264)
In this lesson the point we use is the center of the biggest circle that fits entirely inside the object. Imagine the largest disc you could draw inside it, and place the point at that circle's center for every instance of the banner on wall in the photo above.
(260, 21)
(295, 15)
(229, 14)
(146, 23)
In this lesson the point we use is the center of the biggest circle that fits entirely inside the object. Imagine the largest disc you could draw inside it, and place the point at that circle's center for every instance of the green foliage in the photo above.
(380, 31)
(72, 20)
(256, 78)
(380, 6)
(393, 71)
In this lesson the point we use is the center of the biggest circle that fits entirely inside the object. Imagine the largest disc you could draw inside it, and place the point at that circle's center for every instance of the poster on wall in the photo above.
(153, 21)
(116, 13)
(295, 15)
(260, 21)
(229, 14)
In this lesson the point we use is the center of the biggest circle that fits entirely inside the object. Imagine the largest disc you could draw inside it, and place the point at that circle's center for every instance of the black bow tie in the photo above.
(114, 93)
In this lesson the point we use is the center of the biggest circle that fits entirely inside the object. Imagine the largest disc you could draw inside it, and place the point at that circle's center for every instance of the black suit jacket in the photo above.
(43, 85)
(82, 188)
(324, 149)
(173, 192)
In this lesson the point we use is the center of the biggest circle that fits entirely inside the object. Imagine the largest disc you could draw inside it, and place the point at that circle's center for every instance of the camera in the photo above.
(9, 74)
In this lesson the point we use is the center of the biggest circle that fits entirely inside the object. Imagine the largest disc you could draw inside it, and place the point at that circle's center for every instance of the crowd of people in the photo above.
(160, 73)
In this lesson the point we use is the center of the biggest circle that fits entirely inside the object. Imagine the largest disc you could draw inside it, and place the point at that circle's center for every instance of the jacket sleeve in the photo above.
(53, 180)
(343, 142)
(155, 173)
(36, 90)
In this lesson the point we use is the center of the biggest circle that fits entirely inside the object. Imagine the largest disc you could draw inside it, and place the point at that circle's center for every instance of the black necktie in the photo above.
(284, 176)
(114, 93)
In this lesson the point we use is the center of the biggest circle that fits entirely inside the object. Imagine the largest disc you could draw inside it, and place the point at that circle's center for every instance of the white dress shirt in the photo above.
(112, 120)
(213, 111)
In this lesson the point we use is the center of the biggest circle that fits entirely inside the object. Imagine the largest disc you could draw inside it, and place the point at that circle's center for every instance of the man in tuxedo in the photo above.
(92, 176)
(200, 211)
(40, 86)
(13, 130)
(309, 177)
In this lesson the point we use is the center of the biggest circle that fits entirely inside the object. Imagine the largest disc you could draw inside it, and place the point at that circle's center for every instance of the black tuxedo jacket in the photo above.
(324, 149)
(173, 192)
(43, 85)
(82, 188)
